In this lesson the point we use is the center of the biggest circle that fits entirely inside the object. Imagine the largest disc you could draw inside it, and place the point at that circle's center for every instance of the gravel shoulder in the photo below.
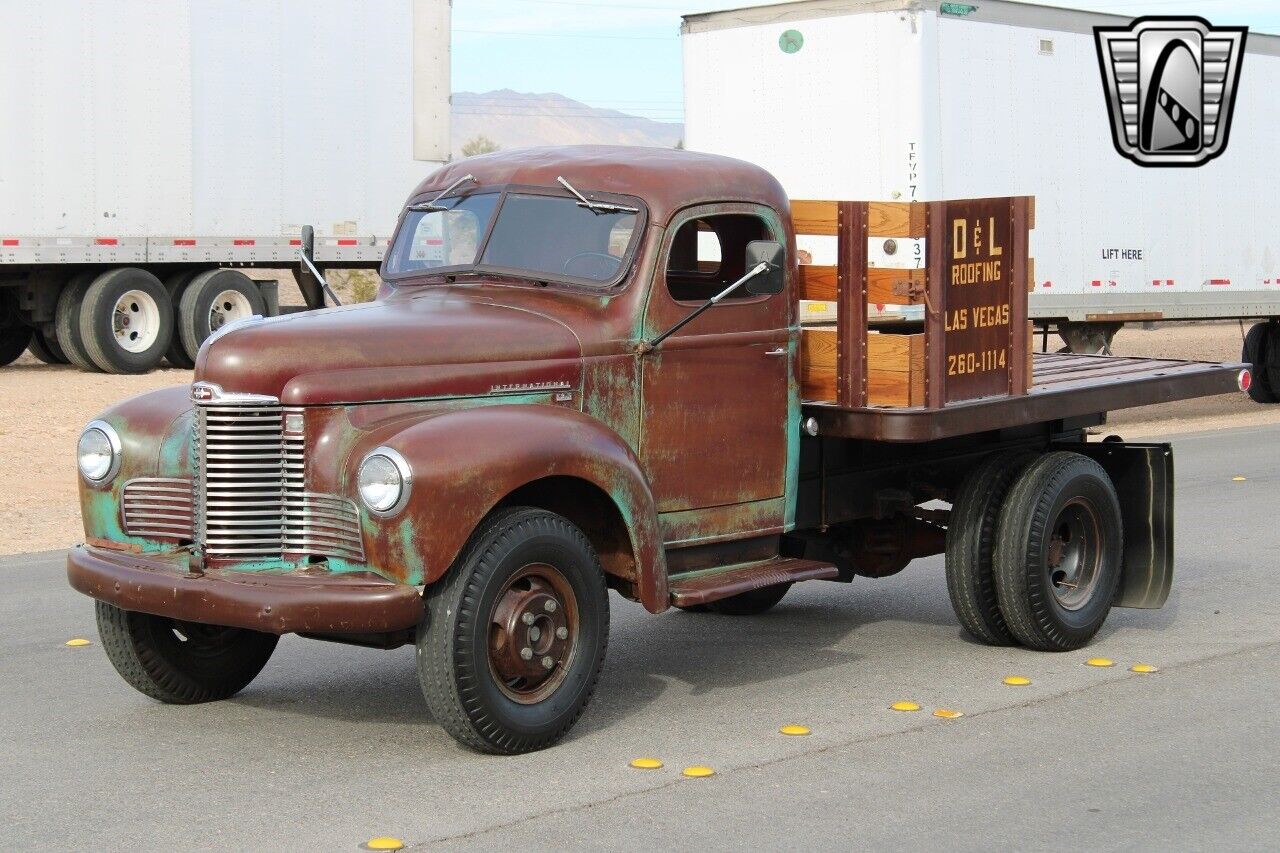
(43, 408)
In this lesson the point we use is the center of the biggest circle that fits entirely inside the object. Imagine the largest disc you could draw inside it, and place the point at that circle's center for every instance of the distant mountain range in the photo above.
(521, 119)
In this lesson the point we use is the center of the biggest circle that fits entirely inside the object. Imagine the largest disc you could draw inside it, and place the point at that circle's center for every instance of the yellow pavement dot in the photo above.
(79, 641)
(646, 764)
(698, 771)
(1143, 667)
(794, 730)
(1237, 479)
(905, 706)
(948, 714)
(383, 842)
(1099, 662)
(1017, 680)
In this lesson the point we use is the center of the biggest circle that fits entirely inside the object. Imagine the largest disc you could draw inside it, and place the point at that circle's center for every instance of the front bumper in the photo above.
(309, 600)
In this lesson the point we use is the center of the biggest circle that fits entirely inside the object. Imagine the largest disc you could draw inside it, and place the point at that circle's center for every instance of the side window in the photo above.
(709, 254)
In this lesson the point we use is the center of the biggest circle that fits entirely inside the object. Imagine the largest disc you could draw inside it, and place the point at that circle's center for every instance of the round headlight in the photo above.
(383, 481)
(98, 453)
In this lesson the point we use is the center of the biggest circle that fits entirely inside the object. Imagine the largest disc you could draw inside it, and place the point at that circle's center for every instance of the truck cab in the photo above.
(581, 373)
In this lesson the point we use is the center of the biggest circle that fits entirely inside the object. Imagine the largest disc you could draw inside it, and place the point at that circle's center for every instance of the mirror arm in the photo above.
(649, 346)
(304, 252)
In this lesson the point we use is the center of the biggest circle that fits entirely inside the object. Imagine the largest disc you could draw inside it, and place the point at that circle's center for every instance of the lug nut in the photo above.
(550, 607)
(526, 653)
(547, 662)
(534, 633)
(527, 618)
(562, 633)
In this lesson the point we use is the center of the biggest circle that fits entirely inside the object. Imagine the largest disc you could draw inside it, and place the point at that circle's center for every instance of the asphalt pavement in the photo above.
(333, 745)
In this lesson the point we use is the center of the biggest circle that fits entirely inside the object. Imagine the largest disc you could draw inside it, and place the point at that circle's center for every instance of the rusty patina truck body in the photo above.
(471, 461)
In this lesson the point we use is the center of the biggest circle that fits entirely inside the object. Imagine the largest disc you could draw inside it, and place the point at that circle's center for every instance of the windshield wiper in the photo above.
(596, 206)
(432, 205)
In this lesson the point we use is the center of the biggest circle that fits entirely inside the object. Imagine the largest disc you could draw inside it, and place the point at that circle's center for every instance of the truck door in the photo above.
(716, 393)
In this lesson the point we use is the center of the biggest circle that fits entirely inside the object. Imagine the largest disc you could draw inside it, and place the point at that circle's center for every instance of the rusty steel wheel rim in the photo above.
(1074, 559)
(533, 633)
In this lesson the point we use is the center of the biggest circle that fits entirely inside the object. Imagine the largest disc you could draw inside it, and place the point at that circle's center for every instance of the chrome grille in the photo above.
(157, 508)
(250, 489)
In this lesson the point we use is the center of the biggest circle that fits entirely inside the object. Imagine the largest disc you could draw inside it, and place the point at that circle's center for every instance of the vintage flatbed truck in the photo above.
(584, 372)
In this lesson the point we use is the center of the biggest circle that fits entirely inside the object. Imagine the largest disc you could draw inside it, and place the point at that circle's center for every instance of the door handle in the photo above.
(778, 351)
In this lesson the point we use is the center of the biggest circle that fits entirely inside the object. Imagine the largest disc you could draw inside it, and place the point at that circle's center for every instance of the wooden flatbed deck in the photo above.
(1064, 386)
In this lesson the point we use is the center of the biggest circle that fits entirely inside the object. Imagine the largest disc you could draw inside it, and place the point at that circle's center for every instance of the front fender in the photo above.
(155, 436)
(465, 462)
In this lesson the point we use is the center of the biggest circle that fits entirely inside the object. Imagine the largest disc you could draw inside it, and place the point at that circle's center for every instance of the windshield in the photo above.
(446, 238)
(538, 235)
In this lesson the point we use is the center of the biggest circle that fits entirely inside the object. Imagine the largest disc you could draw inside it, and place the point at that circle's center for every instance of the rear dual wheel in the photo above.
(126, 321)
(970, 550)
(119, 321)
(205, 303)
(1034, 551)
(44, 346)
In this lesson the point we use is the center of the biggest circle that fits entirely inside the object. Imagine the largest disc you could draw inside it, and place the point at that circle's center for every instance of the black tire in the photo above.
(198, 302)
(1261, 345)
(45, 347)
(67, 321)
(971, 539)
(14, 334)
(459, 674)
(750, 603)
(181, 663)
(1059, 547)
(150, 312)
(177, 354)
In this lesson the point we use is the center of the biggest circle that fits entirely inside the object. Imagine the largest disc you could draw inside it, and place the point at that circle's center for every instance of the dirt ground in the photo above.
(43, 408)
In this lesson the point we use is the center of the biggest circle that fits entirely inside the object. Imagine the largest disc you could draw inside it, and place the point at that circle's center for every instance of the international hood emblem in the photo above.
(204, 392)
(1170, 85)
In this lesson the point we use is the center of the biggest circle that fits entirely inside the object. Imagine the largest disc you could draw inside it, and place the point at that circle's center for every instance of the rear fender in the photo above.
(1143, 477)
(464, 463)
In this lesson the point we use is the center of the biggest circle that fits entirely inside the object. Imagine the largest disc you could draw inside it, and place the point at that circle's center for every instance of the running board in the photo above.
(710, 585)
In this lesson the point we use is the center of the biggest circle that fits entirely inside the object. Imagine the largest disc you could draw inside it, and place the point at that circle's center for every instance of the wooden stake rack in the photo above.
(973, 278)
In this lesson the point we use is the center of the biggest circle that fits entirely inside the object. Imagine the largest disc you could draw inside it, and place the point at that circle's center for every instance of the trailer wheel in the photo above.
(177, 354)
(971, 539)
(1261, 350)
(181, 663)
(750, 603)
(126, 321)
(213, 299)
(514, 635)
(14, 334)
(67, 321)
(1058, 552)
(44, 346)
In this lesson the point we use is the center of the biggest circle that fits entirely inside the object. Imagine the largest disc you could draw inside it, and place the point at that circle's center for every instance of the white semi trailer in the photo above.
(918, 99)
(149, 150)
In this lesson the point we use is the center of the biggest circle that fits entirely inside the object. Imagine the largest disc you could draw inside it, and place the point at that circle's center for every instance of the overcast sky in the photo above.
(625, 55)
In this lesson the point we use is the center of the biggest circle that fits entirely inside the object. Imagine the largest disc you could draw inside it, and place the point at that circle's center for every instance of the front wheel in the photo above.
(514, 636)
(1058, 552)
(181, 663)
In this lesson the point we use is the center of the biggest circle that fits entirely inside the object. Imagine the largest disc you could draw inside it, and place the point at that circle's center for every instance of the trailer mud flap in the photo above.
(1143, 477)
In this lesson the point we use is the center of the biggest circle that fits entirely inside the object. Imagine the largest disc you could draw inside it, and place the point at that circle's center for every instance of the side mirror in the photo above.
(773, 279)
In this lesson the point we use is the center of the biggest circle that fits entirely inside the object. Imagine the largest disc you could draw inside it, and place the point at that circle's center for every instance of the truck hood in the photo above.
(441, 343)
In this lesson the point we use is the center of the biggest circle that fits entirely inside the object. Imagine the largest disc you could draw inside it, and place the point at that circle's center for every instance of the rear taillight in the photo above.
(1244, 379)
